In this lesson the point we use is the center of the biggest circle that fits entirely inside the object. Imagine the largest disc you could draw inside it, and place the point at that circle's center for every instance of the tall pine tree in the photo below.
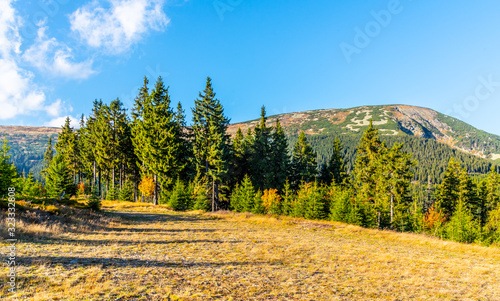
(280, 159)
(447, 195)
(304, 167)
(210, 145)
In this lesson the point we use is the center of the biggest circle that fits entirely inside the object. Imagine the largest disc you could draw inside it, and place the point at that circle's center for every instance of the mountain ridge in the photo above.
(391, 120)
(396, 123)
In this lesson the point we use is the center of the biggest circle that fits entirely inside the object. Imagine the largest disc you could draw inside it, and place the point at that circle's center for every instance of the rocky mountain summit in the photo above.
(390, 120)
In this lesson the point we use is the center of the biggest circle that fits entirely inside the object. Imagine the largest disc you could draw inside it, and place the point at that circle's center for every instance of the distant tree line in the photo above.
(151, 155)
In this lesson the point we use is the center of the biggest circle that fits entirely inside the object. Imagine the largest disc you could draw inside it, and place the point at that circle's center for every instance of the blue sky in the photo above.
(57, 56)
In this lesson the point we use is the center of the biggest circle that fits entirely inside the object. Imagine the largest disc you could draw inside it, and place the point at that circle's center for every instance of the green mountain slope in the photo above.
(432, 137)
(27, 146)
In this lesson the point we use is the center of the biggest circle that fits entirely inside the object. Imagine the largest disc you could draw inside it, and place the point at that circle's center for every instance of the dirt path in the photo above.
(152, 254)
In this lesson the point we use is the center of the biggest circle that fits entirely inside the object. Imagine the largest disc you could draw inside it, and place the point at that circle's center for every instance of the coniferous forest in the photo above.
(150, 154)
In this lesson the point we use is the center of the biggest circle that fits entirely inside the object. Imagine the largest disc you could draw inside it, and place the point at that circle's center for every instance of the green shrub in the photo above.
(94, 202)
(180, 197)
(462, 227)
(126, 193)
(244, 197)
(258, 206)
(112, 194)
(288, 199)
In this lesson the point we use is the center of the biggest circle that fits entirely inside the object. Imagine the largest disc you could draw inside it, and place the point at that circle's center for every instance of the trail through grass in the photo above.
(151, 253)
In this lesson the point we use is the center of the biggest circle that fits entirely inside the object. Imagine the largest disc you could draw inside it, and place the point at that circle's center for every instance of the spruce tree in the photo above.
(59, 180)
(247, 195)
(366, 166)
(447, 195)
(47, 158)
(101, 137)
(180, 198)
(31, 188)
(238, 166)
(261, 164)
(210, 145)
(462, 227)
(126, 193)
(394, 182)
(186, 157)
(335, 169)
(288, 199)
(304, 167)
(8, 171)
(138, 132)
(492, 189)
(258, 206)
(317, 206)
(280, 159)
(67, 147)
(156, 136)
(467, 192)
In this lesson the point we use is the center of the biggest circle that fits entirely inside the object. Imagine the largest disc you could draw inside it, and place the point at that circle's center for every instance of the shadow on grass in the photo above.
(71, 262)
(100, 242)
(159, 230)
(158, 217)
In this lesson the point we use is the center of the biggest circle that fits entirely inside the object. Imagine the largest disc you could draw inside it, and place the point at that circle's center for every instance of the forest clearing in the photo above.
(136, 251)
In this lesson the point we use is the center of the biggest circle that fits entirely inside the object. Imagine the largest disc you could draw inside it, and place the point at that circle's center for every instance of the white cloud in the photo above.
(59, 122)
(49, 55)
(117, 28)
(54, 109)
(10, 40)
(18, 93)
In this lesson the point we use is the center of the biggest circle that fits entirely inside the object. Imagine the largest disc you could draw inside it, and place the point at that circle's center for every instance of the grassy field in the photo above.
(141, 252)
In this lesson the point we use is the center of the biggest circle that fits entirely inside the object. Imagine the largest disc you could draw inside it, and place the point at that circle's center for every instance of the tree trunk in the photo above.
(113, 178)
(94, 178)
(122, 176)
(135, 192)
(378, 219)
(213, 195)
(217, 205)
(100, 188)
(392, 208)
(155, 194)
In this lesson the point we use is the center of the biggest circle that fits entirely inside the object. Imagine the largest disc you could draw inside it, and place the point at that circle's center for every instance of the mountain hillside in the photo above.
(27, 145)
(432, 137)
(391, 120)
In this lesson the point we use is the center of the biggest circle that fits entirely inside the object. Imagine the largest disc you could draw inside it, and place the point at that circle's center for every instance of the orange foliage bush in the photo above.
(433, 218)
(81, 188)
(147, 186)
(271, 201)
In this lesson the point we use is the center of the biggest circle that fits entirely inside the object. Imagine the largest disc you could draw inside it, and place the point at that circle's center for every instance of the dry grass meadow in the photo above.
(142, 252)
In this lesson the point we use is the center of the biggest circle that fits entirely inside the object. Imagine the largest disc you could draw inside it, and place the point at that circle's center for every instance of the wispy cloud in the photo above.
(116, 27)
(18, 93)
(59, 122)
(49, 55)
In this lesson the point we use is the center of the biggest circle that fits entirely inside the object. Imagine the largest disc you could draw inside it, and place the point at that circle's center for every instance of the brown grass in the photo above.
(151, 253)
